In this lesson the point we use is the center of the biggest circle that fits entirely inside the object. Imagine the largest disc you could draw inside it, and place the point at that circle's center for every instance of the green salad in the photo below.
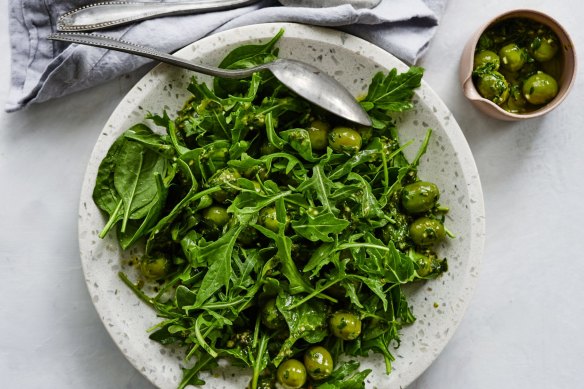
(276, 235)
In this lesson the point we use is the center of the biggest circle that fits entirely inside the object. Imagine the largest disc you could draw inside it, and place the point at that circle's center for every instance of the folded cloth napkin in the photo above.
(44, 69)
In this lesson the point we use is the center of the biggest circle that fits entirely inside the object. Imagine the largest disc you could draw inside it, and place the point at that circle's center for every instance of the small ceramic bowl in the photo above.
(565, 82)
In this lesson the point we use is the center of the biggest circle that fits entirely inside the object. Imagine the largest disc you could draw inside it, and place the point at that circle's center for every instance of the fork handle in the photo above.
(109, 14)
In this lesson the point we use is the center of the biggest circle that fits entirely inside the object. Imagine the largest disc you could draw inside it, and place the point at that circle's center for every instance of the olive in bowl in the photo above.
(518, 66)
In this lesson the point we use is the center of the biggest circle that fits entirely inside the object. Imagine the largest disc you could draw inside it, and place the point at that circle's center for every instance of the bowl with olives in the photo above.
(519, 65)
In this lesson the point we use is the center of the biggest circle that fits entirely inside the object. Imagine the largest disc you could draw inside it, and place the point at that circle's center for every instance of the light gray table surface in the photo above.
(522, 329)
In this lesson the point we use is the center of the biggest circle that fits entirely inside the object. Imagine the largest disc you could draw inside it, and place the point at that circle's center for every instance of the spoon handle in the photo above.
(108, 14)
(148, 52)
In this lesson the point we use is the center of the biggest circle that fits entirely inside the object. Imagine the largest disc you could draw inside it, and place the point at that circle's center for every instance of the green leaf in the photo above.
(321, 185)
(299, 140)
(345, 376)
(244, 57)
(139, 229)
(319, 227)
(141, 133)
(307, 321)
(135, 179)
(127, 187)
(394, 91)
(320, 257)
(218, 257)
(248, 54)
(400, 268)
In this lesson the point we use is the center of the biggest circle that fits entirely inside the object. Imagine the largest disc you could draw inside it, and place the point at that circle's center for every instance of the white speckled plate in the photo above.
(439, 305)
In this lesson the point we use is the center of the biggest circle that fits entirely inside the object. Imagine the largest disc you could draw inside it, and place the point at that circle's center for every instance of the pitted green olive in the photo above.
(291, 374)
(512, 57)
(318, 362)
(425, 231)
(318, 134)
(225, 178)
(540, 88)
(345, 325)
(420, 196)
(215, 216)
(494, 87)
(486, 57)
(344, 140)
(271, 317)
(154, 268)
(544, 49)
(268, 219)
(516, 102)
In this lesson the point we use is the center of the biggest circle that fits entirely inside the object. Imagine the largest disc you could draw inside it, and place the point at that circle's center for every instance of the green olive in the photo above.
(154, 268)
(516, 103)
(225, 178)
(268, 219)
(544, 49)
(494, 87)
(419, 197)
(424, 266)
(425, 231)
(486, 57)
(271, 317)
(512, 57)
(540, 88)
(215, 216)
(318, 134)
(344, 140)
(427, 263)
(318, 362)
(345, 325)
(291, 374)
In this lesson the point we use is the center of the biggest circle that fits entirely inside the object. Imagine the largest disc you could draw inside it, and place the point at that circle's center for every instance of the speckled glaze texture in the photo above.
(438, 305)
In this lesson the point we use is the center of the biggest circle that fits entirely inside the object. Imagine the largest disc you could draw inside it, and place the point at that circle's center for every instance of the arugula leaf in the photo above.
(393, 92)
(320, 185)
(217, 255)
(346, 376)
(319, 227)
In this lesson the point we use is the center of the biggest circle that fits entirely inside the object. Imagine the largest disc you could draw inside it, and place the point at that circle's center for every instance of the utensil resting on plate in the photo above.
(306, 80)
(109, 14)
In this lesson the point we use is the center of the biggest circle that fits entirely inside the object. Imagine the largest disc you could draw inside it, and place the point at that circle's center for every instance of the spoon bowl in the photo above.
(306, 80)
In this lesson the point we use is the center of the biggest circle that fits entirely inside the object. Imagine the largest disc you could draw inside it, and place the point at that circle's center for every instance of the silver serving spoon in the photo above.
(114, 13)
(307, 81)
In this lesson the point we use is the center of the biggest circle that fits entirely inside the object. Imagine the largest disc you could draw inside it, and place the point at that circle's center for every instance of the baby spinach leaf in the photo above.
(134, 233)
(135, 180)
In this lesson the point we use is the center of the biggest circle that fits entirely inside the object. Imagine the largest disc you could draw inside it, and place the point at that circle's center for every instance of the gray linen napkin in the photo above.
(44, 69)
